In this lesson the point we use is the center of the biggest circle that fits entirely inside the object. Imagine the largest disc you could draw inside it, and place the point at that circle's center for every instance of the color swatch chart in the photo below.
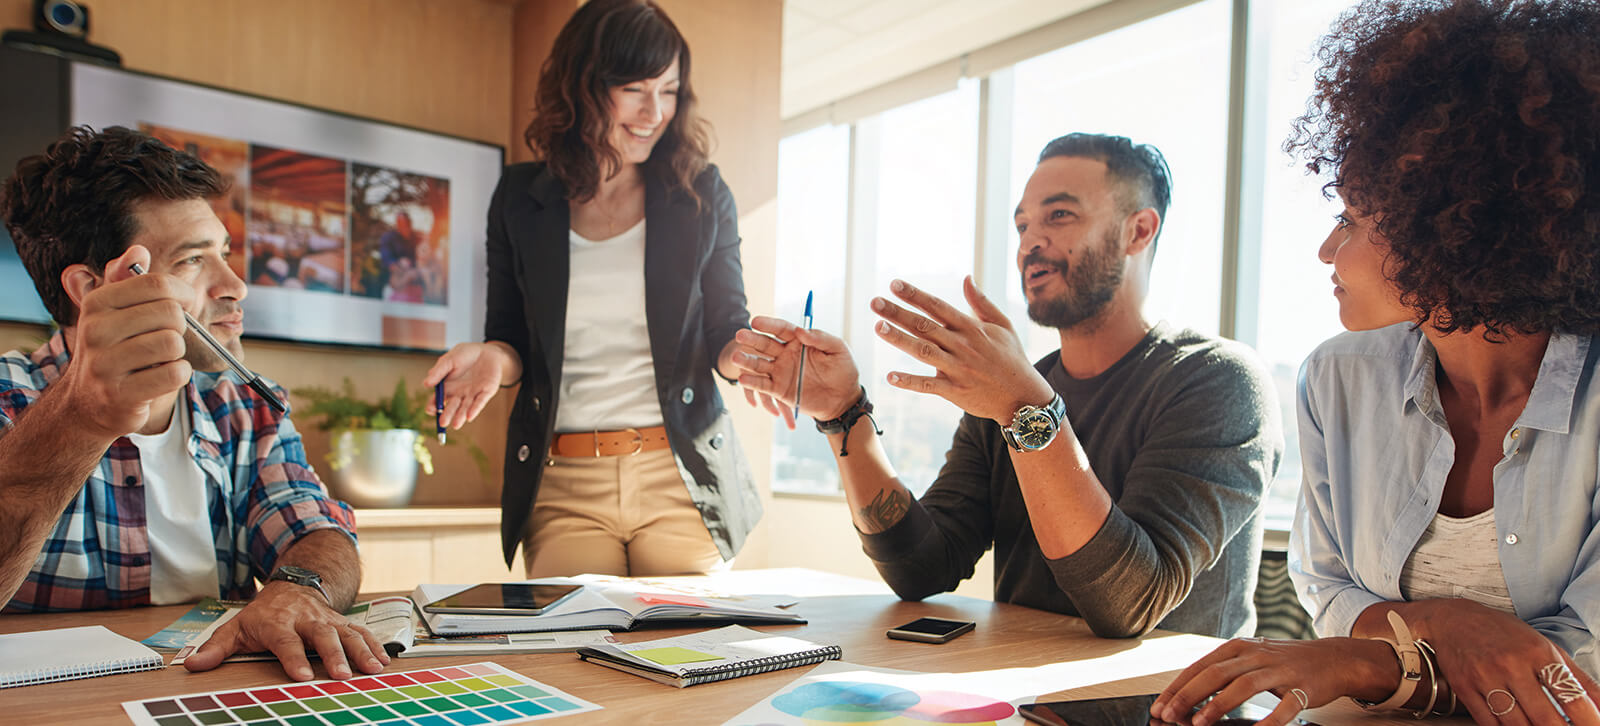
(481, 694)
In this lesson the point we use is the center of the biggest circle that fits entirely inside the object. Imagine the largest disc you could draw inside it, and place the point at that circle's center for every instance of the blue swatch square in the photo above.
(431, 720)
(498, 713)
(528, 708)
(467, 718)
(558, 704)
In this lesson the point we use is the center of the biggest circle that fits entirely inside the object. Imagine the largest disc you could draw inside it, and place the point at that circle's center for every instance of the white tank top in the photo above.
(1458, 558)
(183, 548)
(608, 379)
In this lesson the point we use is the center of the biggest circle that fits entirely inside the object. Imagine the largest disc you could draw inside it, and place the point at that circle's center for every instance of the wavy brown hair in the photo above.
(74, 203)
(609, 43)
(1470, 131)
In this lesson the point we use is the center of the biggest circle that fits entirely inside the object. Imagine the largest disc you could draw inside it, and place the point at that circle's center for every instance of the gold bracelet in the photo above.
(1410, 666)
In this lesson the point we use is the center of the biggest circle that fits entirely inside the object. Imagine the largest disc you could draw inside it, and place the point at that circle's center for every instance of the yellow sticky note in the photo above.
(674, 655)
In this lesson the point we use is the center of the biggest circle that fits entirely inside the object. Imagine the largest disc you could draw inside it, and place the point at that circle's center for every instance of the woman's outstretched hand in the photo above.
(472, 375)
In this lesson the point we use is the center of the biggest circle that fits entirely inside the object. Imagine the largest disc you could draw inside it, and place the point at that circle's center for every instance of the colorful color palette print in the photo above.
(481, 694)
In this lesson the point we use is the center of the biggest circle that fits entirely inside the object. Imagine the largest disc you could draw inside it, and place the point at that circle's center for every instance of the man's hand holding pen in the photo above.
(128, 346)
(768, 357)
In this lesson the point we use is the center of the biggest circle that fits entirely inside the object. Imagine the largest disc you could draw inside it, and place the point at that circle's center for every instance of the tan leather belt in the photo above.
(626, 442)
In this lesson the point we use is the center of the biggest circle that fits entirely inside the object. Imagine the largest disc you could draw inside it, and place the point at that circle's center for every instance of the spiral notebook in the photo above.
(712, 655)
(45, 656)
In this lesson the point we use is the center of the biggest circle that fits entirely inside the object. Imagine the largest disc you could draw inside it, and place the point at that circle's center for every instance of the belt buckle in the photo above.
(638, 441)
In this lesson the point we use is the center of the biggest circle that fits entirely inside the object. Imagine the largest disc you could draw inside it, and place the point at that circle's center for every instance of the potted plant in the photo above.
(375, 446)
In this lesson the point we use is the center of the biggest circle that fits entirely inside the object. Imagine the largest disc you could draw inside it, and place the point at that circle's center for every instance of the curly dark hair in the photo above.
(1470, 131)
(73, 204)
(609, 43)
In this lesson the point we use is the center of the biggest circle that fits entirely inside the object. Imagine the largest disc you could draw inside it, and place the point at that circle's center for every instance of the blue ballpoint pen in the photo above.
(438, 409)
(800, 377)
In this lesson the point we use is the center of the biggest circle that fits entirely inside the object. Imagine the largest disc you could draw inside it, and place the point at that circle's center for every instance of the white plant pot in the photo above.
(374, 468)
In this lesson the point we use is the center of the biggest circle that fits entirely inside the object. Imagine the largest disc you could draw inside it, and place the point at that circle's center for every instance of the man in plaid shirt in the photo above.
(133, 471)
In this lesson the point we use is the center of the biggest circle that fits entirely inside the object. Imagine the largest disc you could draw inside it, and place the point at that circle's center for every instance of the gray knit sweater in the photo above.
(1184, 434)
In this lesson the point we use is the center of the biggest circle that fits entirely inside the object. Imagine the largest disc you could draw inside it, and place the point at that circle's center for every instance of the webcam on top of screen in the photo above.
(61, 28)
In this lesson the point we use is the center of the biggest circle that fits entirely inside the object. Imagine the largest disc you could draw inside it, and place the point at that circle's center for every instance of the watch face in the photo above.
(1035, 429)
(292, 573)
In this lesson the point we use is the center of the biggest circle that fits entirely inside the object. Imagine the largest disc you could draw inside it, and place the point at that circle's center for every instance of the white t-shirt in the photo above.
(183, 549)
(608, 379)
(1458, 558)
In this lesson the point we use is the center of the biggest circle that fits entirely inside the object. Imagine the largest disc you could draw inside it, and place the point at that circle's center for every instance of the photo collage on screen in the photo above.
(318, 225)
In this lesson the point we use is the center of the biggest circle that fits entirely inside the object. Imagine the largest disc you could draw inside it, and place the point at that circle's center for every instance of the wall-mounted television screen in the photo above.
(347, 230)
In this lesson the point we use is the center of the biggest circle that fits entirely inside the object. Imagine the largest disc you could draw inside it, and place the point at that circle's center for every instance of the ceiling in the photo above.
(835, 48)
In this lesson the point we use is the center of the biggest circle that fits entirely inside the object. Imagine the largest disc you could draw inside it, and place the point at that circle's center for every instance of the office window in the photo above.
(926, 209)
(1163, 81)
(1296, 308)
(813, 205)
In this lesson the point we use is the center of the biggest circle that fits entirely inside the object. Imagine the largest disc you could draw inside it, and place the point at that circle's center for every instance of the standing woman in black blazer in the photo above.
(615, 290)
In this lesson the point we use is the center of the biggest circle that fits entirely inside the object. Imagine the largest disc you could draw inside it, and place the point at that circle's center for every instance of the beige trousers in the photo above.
(617, 515)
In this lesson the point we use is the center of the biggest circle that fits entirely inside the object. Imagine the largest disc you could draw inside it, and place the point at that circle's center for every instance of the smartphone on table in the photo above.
(504, 599)
(1123, 711)
(931, 630)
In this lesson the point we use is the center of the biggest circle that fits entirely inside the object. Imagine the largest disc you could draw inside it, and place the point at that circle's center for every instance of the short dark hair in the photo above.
(610, 43)
(1139, 168)
(1467, 130)
(73, 204)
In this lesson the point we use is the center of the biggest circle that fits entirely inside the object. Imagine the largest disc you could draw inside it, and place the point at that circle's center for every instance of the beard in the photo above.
(200, 356)
(1091, 284)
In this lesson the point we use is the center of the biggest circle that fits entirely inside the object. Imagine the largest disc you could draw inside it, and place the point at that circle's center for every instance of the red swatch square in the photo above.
(425, 676)
(199, 703)
(237, 698)
(335, 688)
(396, 679)
(479, 669)
(269, 695)
(453, 673)
(366, 684)
(303, 691)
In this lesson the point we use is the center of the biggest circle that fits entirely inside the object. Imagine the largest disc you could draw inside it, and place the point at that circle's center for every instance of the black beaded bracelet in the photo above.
(848, 419)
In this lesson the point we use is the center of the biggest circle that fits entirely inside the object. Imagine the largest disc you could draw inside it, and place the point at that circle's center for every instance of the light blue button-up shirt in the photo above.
(1376, 449)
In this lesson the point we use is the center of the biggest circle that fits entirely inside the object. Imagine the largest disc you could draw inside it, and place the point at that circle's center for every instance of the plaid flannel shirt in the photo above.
(262, 495)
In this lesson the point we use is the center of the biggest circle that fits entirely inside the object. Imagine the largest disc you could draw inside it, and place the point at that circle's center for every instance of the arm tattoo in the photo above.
(886, 508)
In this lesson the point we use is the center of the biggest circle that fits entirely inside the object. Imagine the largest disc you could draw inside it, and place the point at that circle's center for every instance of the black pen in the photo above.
(252, 380)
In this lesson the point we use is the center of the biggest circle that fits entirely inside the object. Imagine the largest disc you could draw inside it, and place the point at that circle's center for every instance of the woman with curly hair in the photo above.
(615, 290)
(1445, 537)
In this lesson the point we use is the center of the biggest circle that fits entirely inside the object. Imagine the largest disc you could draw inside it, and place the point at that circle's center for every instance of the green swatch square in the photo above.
(342, 718)
(386, 696)
(476, 684)
(251, 713)
(354, 699)
(409, 708)
(178, 720)
(502, 695)
(502, 680)
(448, 688)
(286, 708)
(529, 692)
(375, 713)
(472, 700)
(322, 703)
(418, 691)
(440, 704)
(212, 718)
(306, 720)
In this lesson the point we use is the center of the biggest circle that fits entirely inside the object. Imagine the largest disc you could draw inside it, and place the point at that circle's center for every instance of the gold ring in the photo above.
(1300, 696)
(1559, 681)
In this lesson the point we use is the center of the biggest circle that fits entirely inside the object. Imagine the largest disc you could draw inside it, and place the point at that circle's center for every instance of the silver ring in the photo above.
(1559, 681)
(1487, 697)
(1300, 696)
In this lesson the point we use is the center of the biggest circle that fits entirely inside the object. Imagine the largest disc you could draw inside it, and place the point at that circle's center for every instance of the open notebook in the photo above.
(44, 656)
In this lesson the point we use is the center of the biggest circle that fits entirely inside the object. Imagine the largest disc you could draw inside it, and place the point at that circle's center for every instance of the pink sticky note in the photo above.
(666, 599)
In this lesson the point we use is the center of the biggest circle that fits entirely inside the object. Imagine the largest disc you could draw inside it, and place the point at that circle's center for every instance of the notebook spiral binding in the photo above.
(693, 676)
(89, 670)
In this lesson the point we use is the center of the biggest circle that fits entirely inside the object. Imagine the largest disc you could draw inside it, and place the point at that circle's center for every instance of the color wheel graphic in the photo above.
(877, 704)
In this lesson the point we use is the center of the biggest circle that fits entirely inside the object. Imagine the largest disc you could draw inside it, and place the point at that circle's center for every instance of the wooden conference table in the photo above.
(1007, 636)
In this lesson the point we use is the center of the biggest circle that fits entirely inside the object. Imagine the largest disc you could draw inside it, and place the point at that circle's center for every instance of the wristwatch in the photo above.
(300, 576)
(1034, 427)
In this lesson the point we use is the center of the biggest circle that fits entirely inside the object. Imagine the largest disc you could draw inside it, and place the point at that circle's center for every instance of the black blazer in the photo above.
(694, 302)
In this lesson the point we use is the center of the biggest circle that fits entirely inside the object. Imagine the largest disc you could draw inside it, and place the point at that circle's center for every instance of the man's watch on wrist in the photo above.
(301, 576)
(1034, 427)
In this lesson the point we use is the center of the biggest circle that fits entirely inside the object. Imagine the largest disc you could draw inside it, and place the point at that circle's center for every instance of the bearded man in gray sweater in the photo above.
(1118, 479)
